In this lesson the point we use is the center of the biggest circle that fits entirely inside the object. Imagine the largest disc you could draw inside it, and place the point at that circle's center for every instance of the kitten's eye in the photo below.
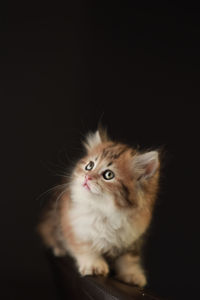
(108, 175)
(89, 166)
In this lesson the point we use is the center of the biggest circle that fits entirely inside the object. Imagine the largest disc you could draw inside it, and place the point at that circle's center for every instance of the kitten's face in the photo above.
(108, 169)
(105, 169)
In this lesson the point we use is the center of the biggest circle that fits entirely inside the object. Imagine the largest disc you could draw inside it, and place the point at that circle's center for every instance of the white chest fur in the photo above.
(99, 222)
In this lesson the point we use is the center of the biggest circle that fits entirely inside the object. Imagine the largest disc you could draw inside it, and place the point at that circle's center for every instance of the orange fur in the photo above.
(111, 215)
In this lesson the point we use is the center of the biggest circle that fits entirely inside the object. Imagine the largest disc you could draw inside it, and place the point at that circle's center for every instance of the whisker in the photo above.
(58, 199)
(53, 167)
(65, 175)
(63, 157)
(57, 187)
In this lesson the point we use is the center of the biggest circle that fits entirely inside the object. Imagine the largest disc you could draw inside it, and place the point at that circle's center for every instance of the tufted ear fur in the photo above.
(145, 165)
(92, 140)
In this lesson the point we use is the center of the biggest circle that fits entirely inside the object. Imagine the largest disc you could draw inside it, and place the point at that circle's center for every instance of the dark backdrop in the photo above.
(62, 70)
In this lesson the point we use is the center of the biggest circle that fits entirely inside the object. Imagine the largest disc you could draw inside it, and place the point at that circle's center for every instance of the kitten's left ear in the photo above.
(92, 140)
(145, 165)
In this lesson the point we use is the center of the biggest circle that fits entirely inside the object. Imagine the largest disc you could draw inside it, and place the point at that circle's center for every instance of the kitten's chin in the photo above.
(92, 189)
(86, 188)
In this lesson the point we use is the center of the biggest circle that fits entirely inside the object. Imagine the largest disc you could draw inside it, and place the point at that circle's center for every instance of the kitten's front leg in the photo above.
(129, 270)
(91, 264)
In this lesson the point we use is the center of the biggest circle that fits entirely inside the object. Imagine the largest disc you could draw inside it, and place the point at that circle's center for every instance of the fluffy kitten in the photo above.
(105, 209)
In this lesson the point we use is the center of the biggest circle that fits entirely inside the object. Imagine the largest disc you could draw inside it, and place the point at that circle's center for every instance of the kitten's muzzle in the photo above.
(87, 177)
(85, 184)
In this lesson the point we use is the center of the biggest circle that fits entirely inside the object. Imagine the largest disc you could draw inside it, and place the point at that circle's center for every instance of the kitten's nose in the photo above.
(87, 177)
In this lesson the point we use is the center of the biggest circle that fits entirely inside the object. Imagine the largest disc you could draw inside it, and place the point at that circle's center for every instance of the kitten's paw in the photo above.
(137, 278)
(129, 270)
(97, 266)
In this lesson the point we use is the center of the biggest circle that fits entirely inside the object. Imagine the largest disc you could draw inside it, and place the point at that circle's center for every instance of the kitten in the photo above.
(105, 209)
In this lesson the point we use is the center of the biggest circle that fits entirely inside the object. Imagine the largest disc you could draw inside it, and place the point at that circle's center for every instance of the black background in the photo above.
(64, 69)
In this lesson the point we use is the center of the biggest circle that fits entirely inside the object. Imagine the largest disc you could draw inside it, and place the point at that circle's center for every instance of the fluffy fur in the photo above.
(105, 209)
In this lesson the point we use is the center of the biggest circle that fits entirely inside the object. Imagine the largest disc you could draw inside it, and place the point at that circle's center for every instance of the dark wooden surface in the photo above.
(71, 285)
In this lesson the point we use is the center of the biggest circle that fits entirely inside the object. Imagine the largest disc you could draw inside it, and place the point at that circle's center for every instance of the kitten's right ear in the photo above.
(145, 165)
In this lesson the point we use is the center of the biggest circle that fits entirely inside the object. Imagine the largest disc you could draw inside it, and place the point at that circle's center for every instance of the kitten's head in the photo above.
(116, 170)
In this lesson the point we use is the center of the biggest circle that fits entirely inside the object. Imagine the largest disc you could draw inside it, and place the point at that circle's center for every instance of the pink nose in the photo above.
(87, 177)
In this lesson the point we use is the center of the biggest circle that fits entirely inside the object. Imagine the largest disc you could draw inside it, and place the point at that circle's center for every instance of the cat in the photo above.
(105, 209)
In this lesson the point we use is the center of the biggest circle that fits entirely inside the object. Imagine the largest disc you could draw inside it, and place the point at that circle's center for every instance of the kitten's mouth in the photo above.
(85, 185)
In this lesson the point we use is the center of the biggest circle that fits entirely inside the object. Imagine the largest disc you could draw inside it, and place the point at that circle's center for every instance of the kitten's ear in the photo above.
(103, 133)
(145, 165)
(92, 140)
